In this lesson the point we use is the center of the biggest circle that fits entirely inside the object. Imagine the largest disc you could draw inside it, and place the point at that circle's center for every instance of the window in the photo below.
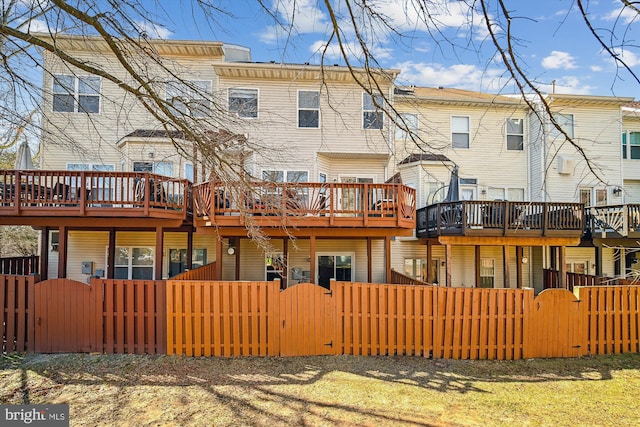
(285, 176)
(515, 194)
(631, 145)
(460, 132)
(188, 171)
(593, 197)
(495, 193)
(435, 192)
(134, 263)
(416, 268)
(308, 109)
(54, 240)
(73, 94)
(406, 123)
(372, 116)
(100, 188)
(566, 124)
(512, 194)
(160, 168)
(244, 102)
(515, 134)
(189, 97)
(178, 260)
(487, 272)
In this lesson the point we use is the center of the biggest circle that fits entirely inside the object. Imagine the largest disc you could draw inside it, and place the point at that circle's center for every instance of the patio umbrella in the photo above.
(23, 157)
(453, 194)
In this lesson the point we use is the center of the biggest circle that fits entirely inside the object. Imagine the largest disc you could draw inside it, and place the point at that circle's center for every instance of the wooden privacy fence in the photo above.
(17, 313)
(105, 316)
(207, 318)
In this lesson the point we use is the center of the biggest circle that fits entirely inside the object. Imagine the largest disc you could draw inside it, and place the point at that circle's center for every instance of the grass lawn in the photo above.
(127, 390)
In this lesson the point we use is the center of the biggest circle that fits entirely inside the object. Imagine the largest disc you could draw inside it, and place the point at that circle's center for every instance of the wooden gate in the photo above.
(555, 326)
(306, 321)
(63, 316)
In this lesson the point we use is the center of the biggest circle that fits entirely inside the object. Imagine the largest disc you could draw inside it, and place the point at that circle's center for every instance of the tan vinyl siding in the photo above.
(86, 246)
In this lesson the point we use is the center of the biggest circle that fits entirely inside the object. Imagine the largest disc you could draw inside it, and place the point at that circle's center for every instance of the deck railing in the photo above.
(398, 278)
(499, 217)
(621, 220)
(20, 266)
(551, 279)
(81, 190)
(305, 200)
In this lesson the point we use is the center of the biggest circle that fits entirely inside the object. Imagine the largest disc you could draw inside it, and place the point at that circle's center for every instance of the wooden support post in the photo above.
(111, 254)
(237, 246)
(447, 251)
(477, 264)
(519, 257)
(218, 275)
(312, 259)
(387, 259)
(505, 263)
(598, 254)
(285, 255)
(429, 262)
(562, 279)
(44, 253)
(189, 265)
(369, 261)
(159, 246)
(62, 252)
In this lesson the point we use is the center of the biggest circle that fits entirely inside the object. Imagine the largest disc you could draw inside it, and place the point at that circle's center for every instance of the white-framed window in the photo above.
(406, 123)
(322, 177)
(285, 176)
(76, 94)
(244, 102)
(631, 145)
(160, 168)
(372, 114)
(100, 188)
(593, 196)
(460, 137)
(189, 97)
(487, 272)
(134, 263)
(54, 240)
(566, 122)
(416, 268)
(435, 192)
(308, 109)
(511, 194)
(468, 188)
(515, 134)
(188, 171)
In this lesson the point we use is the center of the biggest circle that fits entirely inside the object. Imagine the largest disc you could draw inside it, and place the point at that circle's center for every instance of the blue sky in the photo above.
(552, 40)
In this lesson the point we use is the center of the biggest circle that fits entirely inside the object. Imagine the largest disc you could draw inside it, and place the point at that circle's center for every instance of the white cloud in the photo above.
(629, 58)
(352, 49)
(559, 60)
(37, 26)
(567, 85)
(596, 68)
(625, 14)
(303, 16)
(152, 30)
(460, 76)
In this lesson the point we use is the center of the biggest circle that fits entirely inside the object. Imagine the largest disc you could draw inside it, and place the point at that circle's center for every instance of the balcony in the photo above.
(306, 205)
(35, 197)
(616, 221)
(500, 218)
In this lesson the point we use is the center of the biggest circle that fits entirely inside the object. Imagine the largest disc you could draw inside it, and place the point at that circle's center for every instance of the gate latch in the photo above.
(330, 343)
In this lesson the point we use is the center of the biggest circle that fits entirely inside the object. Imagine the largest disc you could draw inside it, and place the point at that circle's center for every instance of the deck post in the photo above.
(447, 251)
(429, 261)
(62, 252)
(519, 258)
(159, 247)
(598, 255)
(312, 259)
(387, 259)
(218, 275)
(111, 255)
(562, 280)
(44, 254)
(369, 261)
(505, 261)
(477, 266)
(189, 265)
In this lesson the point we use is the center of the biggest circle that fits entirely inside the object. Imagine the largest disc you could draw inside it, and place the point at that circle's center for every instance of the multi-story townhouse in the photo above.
(113, 196)
(521, 185)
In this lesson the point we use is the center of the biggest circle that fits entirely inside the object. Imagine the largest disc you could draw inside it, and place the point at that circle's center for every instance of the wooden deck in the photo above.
(374, 209)
(114, 198)
(500, 218)
(615, 221)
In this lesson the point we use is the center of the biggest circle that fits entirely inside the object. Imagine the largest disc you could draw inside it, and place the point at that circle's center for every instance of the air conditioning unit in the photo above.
(566, 165)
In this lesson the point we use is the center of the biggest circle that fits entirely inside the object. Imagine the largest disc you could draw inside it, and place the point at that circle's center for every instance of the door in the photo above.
(63, 317)
(306, 319)
(352, 198)
(339, 267)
